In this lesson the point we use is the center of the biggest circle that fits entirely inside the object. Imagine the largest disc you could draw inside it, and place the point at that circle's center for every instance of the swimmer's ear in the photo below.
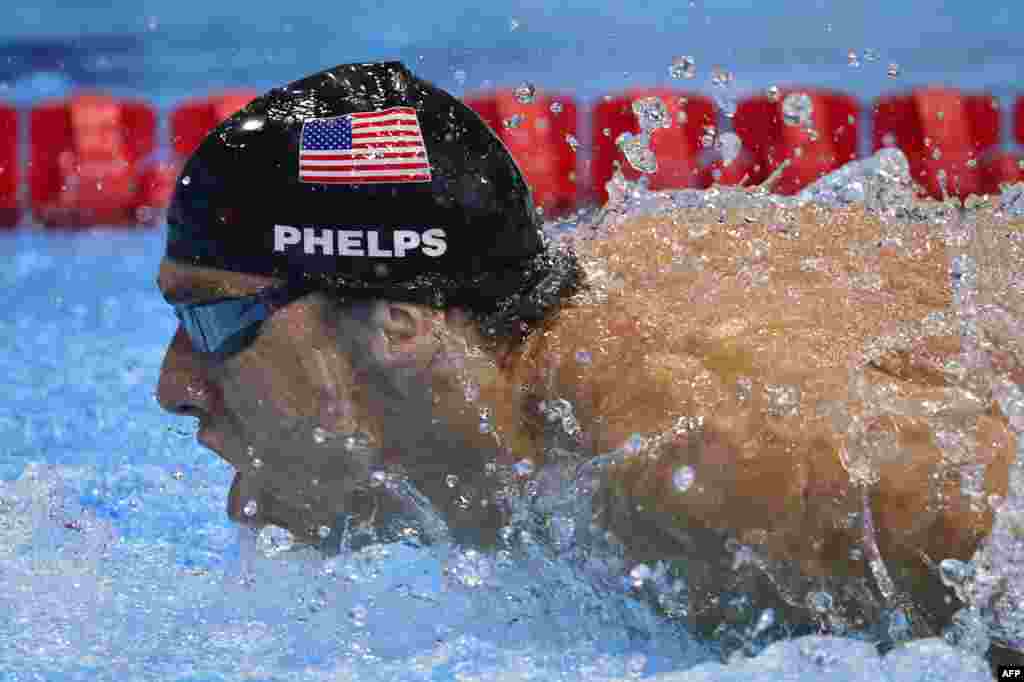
(408, 330)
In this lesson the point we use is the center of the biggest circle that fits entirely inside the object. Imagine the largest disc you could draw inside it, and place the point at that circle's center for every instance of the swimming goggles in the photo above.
(225, 326)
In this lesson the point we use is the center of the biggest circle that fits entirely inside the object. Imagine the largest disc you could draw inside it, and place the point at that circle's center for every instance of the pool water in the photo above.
(117, 560)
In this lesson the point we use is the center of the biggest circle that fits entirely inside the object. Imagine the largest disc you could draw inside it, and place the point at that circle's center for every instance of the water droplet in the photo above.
(683, 478)
(525, 93)
(637, 153)
(651, 113)
(852, 59)
(257, 462)
(893, 70)
(640, 574)
(513, 24)
(820, 601)
(681, 117)
(764, 621)
(955, 574)
(250, 508)
(720, 77)
(523, 467)
(178, 475)
(451, 480)
(710, 136)
(556, 107)
(324, 532)
(726, 102)
(634, 445)
(378, 477)
(571, 141)
(870, 54)
(772, 93)
(798, 109)
(319, 435)
(460, 76)
(730, 145)
(584, 357)
(936, 153)
(273, 540)
(972, 163)
(514, 121)
(357, 614)
(187, 180)
(683, 67)
(607, 132)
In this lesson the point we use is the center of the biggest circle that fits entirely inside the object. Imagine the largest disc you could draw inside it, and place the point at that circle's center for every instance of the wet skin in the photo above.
(814, 446)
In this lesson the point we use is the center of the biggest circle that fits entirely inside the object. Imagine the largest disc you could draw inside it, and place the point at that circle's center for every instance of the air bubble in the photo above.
(257, 463)
(187, 180)
(556, 107)
(571, 141)
(870, 55)
(514, 121)
(451, 480)
(893, 70)
(250, 508)
(683, 67)
(323, 532)
(852, 60)
(460, 76)
(772, 93)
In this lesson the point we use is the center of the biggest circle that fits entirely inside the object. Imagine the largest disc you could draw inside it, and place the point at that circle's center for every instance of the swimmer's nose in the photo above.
(184, 387)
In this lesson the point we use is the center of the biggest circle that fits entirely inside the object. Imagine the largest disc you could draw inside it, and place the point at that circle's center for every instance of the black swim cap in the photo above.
(365, 180)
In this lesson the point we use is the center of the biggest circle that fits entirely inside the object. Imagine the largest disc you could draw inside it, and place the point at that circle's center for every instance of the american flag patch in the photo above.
(364, 147)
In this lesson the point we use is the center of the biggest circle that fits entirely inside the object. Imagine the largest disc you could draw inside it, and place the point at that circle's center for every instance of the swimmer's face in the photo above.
(284, 409)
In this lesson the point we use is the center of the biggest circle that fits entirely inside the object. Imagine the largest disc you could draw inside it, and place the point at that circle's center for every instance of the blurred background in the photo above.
(939, 80)
(174, 49)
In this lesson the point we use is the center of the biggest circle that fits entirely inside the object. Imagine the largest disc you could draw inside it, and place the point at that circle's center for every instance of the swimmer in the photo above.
(363, 287)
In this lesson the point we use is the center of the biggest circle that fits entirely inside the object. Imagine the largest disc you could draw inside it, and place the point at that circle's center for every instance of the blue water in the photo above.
(117, 561)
